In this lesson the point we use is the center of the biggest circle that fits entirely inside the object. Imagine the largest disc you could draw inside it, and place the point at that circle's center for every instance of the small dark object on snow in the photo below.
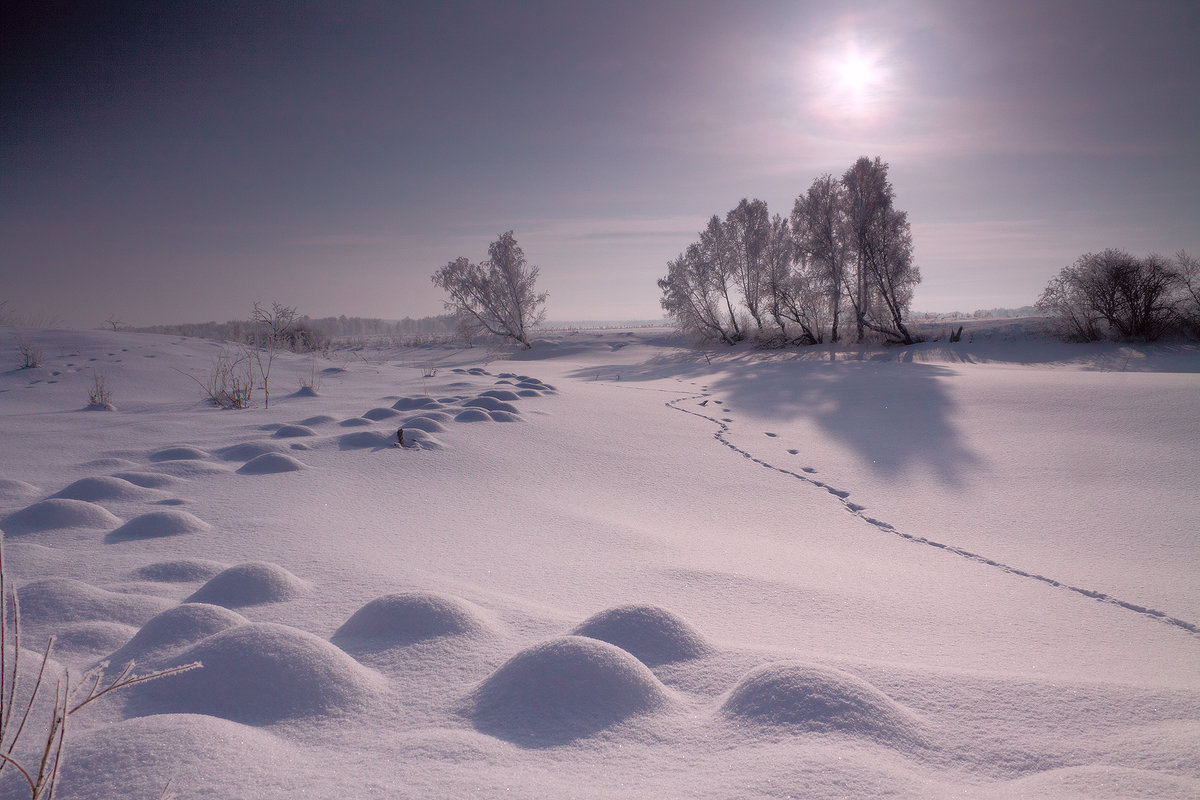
(704, 403)
(400, 437)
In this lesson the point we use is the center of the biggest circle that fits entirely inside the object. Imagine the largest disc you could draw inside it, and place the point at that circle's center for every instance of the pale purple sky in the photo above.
(173, 162)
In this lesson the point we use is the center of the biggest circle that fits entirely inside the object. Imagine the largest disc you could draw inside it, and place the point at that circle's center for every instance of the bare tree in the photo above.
(747, 228)
(1118, 292)
(819, 225)
(692, 299)
(498, 296)
(1188, 269)
(272, 329)
(779, 257)
(880, 246)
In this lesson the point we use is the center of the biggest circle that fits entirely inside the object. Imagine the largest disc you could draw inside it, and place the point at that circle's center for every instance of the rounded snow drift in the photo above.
(102, 488)
(491, 404)
(250, 584)
(319, 419)
(262, 673)
(563, 689)
(364, 440)
(802, 697)
(147, 480)
(499, 394)
(419, 439)
(407, 617)
(355, 422)
(63, 600)
(652, 634)
(305, 391)
(269, 464)
(473, 415)
(529, 393)
(415, 403)
(58, 512)
(423, 423)
(189, 468)
(503, 416)
(157, 524)
(173, 629)
(92, 639)
(248, 450)
(128, 759)
(293, 431)
(376, 414)
(17, 491)
(182, 453)
(182, 571)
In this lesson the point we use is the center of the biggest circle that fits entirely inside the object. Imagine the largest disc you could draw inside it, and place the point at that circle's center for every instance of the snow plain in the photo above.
(618, 566)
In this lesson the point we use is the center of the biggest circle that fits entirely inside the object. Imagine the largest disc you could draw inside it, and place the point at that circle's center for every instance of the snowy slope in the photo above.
(615, 566)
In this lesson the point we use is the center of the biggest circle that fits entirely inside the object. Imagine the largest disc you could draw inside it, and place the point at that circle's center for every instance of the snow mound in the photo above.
(182, 571)
(499, 394)
(147, 480)
(156, 524)
(354, 422)
(473, 415)
(293, 431)
(802, 697)
(270, 463)
(561, 690)
(305, 391)
(423, 423)
(529, 393)
(503, 416)
(491, 404)
(183, 453)
(248, 450)
(108, 463)
(250, 584)
(17, 491)
(376, 414)
(415, 403)
(63, 600)
(319, 419)
(91, 639)
(365, 440)
(409, 617)
(262, 673)
(652, 634)
(174, 629)
(58, 512)
(102, 488)
(138, 757)
(421, 440)
(189, 468)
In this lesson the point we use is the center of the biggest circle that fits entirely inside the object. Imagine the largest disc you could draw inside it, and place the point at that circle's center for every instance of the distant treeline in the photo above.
(982, 313)
(331, 327)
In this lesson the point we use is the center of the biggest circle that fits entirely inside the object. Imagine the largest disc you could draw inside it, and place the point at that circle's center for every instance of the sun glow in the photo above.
(851, 84)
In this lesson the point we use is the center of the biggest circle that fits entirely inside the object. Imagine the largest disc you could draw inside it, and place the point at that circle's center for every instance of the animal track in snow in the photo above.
(721, 435)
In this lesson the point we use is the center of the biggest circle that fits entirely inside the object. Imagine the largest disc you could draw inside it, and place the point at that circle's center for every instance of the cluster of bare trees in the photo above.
(1113, 293)
(843, 258)
(496, 297)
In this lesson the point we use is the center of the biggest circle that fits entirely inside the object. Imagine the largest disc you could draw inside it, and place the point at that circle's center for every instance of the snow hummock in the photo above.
(563, 689)
(261, 673)
(58, 513)
(250, 584)
(652, 634)
(153, 524)
(407, 617)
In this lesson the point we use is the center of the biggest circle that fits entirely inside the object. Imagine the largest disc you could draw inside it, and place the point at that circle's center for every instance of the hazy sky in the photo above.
(173, 162)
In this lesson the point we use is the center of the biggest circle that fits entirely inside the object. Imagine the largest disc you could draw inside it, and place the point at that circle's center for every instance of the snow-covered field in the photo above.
(618, 567)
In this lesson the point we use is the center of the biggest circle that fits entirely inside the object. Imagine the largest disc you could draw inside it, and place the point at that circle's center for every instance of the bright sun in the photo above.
(852, 84)
(859, 73)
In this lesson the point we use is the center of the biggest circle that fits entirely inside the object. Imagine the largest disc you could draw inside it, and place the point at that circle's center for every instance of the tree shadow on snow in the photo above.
(892, 412)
